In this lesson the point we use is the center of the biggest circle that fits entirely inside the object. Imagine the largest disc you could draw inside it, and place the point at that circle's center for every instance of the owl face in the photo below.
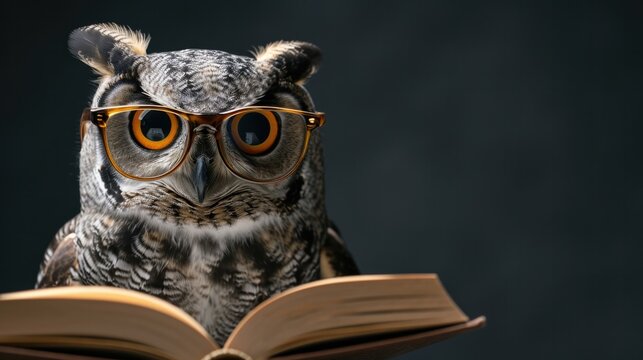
(202, 192)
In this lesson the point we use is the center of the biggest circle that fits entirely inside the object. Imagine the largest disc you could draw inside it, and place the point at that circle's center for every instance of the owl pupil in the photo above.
(155, 125)
(254, 128)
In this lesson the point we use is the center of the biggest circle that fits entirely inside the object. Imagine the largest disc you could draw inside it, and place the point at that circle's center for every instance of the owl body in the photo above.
(218, 249)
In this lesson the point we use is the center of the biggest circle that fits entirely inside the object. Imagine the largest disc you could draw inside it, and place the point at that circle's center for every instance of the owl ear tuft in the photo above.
(104, 47)
(293, 61)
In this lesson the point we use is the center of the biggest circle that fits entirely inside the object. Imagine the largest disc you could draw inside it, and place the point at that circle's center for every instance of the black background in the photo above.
(497, 144)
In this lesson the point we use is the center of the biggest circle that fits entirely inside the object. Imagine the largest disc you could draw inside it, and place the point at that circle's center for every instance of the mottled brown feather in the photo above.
(58, 270)
(335, 259)
(60, 257)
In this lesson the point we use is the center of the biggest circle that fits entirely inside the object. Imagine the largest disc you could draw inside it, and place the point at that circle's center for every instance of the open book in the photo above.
(365, 316)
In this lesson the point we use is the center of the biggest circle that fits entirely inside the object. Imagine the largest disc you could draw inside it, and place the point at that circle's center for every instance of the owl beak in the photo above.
(200, 176)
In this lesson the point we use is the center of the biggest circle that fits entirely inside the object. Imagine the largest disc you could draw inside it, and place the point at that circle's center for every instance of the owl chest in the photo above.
(217, 285)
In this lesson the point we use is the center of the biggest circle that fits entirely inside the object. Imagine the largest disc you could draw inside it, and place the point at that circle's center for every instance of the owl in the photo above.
(201, 178)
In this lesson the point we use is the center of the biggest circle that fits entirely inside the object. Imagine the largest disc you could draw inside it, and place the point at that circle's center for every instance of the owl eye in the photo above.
(254, 132)
(153, 129)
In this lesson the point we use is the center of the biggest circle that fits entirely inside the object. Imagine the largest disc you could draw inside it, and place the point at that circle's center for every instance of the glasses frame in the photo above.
(100, 117)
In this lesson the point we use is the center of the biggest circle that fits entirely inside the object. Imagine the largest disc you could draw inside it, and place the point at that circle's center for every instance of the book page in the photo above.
(124, 317)
(344, 307)
(382, 348)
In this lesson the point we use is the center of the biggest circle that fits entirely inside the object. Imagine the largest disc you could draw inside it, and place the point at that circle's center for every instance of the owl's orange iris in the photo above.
(154, 130)
(254, 132)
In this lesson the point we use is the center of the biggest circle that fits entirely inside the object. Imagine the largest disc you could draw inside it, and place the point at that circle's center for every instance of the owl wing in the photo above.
(335, 258)
(60, 258)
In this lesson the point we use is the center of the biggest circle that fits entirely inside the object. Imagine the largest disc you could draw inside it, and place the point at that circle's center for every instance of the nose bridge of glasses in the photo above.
(206, 120)
(204, 129)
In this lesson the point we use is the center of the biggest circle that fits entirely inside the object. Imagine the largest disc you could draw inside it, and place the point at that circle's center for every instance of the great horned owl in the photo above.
(210, 235)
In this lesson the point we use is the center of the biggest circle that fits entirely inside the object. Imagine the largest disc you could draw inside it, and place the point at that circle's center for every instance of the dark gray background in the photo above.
(496, 144)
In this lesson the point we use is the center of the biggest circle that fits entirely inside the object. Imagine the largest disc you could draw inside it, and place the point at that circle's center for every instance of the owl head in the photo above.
(215, 119)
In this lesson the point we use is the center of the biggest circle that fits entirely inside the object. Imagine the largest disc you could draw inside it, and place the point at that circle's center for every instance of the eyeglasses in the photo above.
(257, 143)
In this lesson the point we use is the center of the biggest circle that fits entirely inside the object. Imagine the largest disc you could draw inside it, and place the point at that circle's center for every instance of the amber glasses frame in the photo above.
(101, 116)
